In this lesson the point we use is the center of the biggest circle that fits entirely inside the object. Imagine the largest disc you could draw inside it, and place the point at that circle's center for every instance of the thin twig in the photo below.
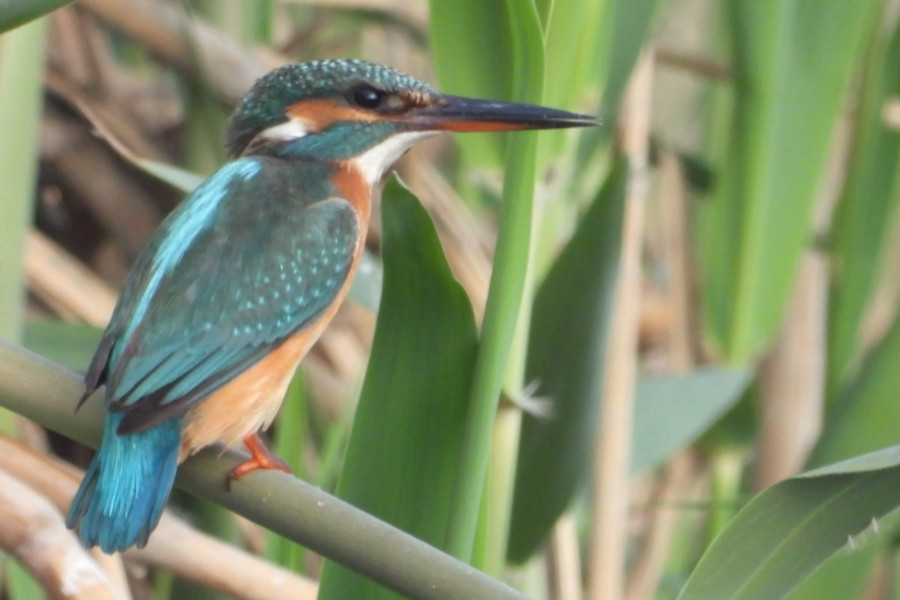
(699, 65)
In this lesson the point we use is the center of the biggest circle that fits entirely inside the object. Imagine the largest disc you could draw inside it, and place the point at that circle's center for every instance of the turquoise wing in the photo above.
(237, 269)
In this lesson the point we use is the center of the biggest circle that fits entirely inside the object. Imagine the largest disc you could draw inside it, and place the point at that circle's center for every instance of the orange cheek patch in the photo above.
(320, 114)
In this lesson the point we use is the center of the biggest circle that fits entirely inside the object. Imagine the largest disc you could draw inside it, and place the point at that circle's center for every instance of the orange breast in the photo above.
(251, 401)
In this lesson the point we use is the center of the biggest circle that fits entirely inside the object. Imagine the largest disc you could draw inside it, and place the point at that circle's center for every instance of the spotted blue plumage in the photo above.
(253, 255)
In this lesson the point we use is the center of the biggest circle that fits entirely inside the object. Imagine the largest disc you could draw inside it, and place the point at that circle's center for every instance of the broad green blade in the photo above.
(792, 61)
(472, 48)
(867, 416)
(788, 531)
(861, 224)
(566, 354)
(630, 23)
(403, 456)
(671, 411)
(846, 574)
(71, 345)
(18, 12)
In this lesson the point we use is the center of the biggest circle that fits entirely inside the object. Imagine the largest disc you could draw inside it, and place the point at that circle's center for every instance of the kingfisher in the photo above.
(243, 276)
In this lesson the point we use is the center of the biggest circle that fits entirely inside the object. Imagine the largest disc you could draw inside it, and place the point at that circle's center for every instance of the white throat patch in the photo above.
(375, 161)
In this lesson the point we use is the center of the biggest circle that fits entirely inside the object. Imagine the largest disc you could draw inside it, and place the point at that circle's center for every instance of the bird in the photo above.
(239, 281)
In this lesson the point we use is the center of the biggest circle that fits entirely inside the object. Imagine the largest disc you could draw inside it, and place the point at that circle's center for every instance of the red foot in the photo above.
(261, 458)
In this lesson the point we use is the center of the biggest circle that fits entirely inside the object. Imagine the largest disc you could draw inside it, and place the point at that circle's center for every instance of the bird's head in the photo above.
(371, 114)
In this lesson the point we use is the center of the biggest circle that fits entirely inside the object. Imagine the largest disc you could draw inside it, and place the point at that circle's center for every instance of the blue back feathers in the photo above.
(250, 258)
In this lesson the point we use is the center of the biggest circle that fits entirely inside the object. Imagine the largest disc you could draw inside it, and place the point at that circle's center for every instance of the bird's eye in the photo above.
(368, 97)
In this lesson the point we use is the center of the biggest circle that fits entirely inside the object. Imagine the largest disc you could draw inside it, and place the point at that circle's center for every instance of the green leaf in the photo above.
(178, 178)
(867, 415)
(472, 48)
(403, 457)
(18, 12)
(566, 350)
(845, 574)
(792, 63)
(671, 411)
(630, 23)
(71, 345)
(501, 351)
(788, 531)
(866, 209)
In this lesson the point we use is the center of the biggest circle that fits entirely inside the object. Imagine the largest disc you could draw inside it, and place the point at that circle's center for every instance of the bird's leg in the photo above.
(261, 458)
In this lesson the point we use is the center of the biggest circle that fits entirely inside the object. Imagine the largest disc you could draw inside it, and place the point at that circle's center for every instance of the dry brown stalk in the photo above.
(62, 282)
(608, 534)
(791, 379)
(163, 28)
(564, 560)
(174, 546)
(34, 532)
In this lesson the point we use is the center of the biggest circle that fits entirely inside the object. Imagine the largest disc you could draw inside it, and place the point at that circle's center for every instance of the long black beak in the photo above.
(456, 113)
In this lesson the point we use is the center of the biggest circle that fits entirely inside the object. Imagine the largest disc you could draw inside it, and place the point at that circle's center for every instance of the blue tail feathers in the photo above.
(126, 487)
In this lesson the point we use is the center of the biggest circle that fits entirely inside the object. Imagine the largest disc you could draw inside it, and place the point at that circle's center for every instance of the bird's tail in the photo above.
(126, 487)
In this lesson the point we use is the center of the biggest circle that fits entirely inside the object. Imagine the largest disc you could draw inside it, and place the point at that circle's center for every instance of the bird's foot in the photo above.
(261, 458)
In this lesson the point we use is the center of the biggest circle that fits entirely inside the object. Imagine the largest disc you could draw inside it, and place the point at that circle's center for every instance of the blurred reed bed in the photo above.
(654, 323)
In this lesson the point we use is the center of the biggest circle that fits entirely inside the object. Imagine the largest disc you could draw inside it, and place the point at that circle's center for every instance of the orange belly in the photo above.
(250, 402)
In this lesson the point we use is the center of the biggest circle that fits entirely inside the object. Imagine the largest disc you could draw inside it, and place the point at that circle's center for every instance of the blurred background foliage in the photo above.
(713, 272)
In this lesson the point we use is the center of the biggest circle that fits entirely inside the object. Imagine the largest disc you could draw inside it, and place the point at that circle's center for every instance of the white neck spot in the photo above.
(376, 160)
(292, 129)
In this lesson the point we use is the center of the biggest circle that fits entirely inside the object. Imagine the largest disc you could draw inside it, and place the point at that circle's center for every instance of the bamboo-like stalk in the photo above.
(500, 363)
(47, 393)
(21, 65)
(500, 319)
(608, 536)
